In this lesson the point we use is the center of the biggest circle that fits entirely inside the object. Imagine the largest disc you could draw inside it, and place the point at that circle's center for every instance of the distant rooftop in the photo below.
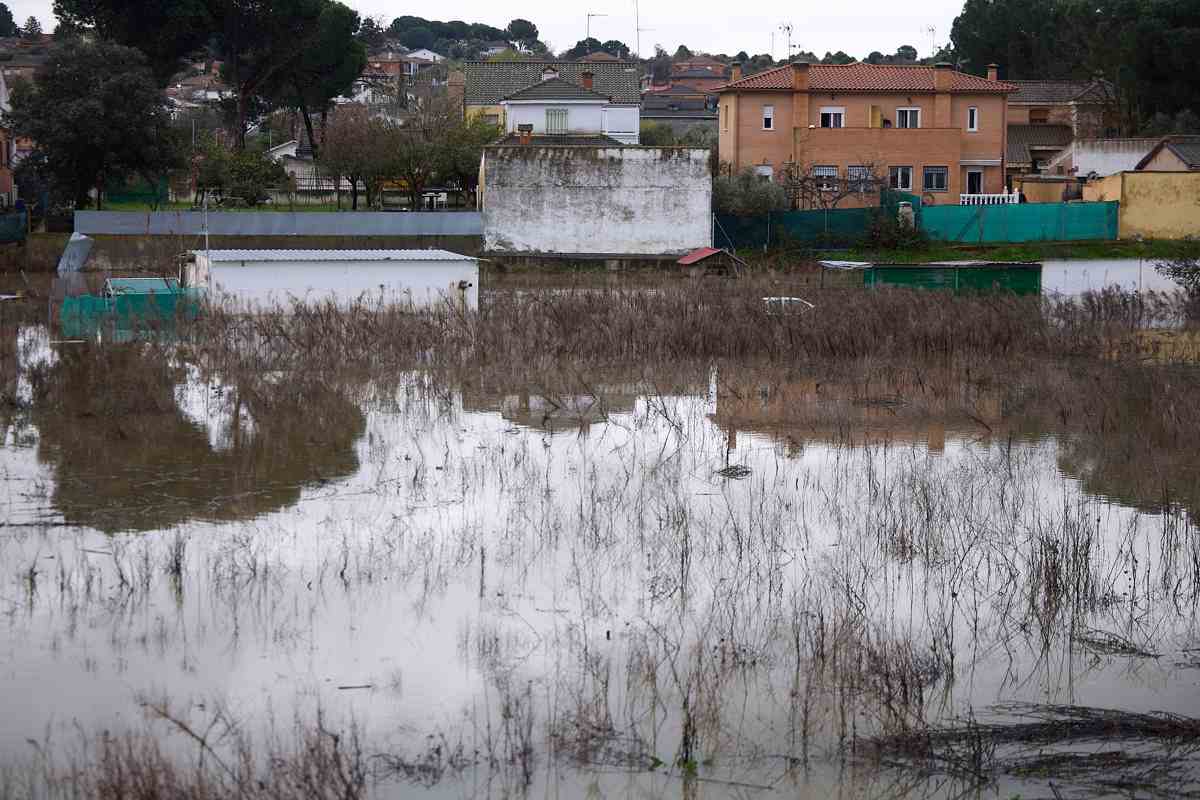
(488, 82)
(861, 77)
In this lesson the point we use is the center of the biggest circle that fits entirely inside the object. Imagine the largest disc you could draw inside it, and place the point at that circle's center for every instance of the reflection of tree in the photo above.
(126, 457)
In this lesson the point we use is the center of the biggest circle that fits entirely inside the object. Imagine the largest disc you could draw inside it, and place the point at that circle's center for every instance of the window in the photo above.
(908, 117)
(972, 118)
(1039, 116)
(768, 118)
(491, 119)
(764, 172)
(859, 178)
(833, 117)
(556, 120)
(936, 179)
(901, 178)
(827, 178)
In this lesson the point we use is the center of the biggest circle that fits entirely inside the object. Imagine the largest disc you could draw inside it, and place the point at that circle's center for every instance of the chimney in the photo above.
(993, 72)
(800, 76)
(525, 134)
(456, 90)
(587, 79)
(736, 73)
(943, 76)
(549, 73)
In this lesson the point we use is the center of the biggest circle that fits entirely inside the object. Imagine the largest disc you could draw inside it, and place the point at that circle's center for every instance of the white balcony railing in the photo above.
(988, 199)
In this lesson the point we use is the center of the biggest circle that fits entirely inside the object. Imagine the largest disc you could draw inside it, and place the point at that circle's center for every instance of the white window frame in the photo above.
(894, 182)
(908, 110)
(827, 176)
(768, 118)
(560, 114)
(836, 114)
(973, 119)
(945, 172)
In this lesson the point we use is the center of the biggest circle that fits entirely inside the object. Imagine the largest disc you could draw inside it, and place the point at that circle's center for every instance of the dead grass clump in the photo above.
(1152, 754)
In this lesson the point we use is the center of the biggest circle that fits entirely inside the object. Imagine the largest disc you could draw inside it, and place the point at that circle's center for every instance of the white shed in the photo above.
(265, 278)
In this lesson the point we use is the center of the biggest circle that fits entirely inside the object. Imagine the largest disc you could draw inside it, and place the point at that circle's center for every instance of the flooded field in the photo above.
(604, 543)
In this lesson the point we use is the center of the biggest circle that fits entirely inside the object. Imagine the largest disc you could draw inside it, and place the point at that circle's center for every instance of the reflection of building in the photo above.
(798, 410)
(562, 403)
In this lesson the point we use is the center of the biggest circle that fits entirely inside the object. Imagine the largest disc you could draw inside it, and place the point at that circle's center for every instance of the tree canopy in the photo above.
(8, 26)
(1144, 48)
(523, 31)
(32, 28)
(95, 114)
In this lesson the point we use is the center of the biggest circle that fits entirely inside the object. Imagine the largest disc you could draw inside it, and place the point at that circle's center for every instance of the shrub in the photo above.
(747, 194)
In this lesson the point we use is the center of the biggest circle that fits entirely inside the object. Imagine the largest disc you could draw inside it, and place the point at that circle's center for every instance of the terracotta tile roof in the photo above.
(860, 77)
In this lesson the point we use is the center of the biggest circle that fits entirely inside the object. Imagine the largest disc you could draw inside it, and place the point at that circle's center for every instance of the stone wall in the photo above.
(595, 202)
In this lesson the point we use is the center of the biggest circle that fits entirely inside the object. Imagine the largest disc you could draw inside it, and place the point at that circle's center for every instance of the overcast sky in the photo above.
(858, 27)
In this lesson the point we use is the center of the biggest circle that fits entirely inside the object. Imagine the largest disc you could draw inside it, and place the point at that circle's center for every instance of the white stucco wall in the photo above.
(1103, 156)
(581, 117)
(419, 283)
(626, 201)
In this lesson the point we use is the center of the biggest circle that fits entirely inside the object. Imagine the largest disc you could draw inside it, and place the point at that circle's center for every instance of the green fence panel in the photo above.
(1023, 222)
(1018, 279)
(839, 225)
(13, 227)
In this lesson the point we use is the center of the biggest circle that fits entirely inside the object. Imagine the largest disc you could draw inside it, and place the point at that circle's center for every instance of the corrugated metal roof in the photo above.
(698, 255)
(333, 255)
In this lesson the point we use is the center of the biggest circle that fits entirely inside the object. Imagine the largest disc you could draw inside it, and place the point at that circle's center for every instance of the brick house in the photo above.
(931, 131)
(1045, 117)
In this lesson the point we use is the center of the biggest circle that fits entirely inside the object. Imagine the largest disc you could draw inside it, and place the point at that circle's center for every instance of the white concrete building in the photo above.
(595, 202)
(1099, 157)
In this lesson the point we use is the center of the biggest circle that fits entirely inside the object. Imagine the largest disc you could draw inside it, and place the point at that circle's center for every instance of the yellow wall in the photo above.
(1154, 205)
(1037, 191)
(475, 111)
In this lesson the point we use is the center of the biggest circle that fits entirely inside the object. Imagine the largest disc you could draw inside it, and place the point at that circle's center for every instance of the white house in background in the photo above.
(1099, 157)
(426, 55)
(559, 107)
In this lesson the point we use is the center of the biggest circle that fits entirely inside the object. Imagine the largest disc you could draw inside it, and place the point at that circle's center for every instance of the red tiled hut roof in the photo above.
(860, 77)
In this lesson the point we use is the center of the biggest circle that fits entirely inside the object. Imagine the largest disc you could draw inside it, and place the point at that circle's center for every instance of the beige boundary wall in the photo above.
(1154, 205)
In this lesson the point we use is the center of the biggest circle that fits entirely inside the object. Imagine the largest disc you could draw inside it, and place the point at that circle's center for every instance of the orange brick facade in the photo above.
(942, 140)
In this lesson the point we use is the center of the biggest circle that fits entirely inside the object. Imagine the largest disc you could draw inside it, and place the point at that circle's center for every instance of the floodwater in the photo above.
(714, 581)
(737, 572)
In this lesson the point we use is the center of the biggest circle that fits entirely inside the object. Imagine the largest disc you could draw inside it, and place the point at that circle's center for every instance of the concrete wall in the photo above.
(597, 202)
(278, 223)
(1154, 205)
(1102, 156)
(1040, 190)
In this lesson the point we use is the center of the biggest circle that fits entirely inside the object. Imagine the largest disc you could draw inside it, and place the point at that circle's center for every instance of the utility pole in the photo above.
(637, 28)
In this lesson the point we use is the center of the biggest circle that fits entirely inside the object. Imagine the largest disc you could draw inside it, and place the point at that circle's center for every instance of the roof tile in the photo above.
(488, 82)
(861, 77)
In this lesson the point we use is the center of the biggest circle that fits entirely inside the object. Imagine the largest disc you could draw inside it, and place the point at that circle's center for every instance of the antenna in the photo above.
(787, 29)
(637, 28)
(588, 29)
(932, 31)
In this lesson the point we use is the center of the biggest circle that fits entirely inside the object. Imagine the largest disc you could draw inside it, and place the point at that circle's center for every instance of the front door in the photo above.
(974, 181)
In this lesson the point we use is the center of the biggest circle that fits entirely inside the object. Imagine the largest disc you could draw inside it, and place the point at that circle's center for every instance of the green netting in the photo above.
(836, 226)
(1024, 222)
(13, 227)
(125, 316)
(1018, 279)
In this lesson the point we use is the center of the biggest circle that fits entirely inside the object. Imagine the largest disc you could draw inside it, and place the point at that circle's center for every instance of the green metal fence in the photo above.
(1024, 222)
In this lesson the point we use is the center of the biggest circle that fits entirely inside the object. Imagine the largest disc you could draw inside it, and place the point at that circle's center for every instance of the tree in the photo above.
(582, 48)
(360, 148)
(8, 26)
(322, 72)
(617, 48)
(656, 134)
(682, 53)
(32, 29)
(460, 151)
(165, 30)
(840, 57)
(807, 189)
(523, 31)
(95, 114)
(660, 65)
(1185, 272)
(742, 56)
(746, 194)
(371, 34)
(906, 53)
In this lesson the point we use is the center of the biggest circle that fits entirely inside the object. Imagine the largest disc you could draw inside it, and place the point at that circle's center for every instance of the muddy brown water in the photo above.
(715, 582)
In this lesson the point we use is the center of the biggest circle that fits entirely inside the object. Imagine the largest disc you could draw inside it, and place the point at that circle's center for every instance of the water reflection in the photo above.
(137, 443)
